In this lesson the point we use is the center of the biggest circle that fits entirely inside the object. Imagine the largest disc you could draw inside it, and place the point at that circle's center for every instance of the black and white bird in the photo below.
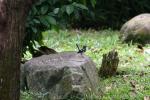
(81, 51)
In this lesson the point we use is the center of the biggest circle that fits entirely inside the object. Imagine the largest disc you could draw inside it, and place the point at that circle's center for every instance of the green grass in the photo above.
(133, 66)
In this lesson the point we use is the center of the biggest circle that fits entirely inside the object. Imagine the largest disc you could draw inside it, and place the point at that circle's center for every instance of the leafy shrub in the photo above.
(112, 13)
(48, 14)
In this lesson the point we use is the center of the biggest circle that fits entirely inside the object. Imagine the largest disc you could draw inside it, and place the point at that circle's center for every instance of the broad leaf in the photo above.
(34, 10)
(80, 6)
(40, 2)
(69, 9)
(34, 29)
(43, 20)
(56, 10)
(50, 20)
(93, 2)
(44, 9)
(36, 21)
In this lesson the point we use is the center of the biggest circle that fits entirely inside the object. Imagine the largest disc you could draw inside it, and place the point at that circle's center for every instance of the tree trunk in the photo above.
(12, 24)
(109, 64)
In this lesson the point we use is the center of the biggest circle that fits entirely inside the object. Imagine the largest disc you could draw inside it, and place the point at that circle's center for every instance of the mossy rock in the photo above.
(137, 29)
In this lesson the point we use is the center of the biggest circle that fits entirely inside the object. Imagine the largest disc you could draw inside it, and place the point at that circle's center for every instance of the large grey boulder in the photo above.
(137, 29)
(61, 75)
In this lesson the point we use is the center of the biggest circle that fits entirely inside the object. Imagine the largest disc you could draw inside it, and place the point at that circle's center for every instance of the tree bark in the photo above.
(109, 64)
(12, 24)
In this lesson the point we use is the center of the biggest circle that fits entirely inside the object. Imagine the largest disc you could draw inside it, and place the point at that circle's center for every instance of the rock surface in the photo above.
(137, 29)
(61, 75)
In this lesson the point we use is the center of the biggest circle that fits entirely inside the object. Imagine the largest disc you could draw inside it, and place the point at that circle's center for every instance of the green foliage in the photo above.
(112, 13)
(48, 14)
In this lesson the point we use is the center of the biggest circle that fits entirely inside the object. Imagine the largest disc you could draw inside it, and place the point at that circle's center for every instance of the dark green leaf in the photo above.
(51, 14)
(44, 9)
(40, 2)
(93, 2)
(77, 15)
(34, 29)
(56, 10)
(56, 28)
(36, 21)
(51, 20)
(69, 9)
(52, 2)
(49, 1)
(84, 2)
(43, 20)
(63, 9)
(70, 0)
(34, 10)
(81, 6)
(39, 38)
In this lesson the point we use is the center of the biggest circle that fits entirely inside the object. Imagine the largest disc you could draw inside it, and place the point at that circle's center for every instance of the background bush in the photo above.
(112, 13)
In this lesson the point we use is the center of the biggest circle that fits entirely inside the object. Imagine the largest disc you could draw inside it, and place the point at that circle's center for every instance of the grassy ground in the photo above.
(133, 79)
